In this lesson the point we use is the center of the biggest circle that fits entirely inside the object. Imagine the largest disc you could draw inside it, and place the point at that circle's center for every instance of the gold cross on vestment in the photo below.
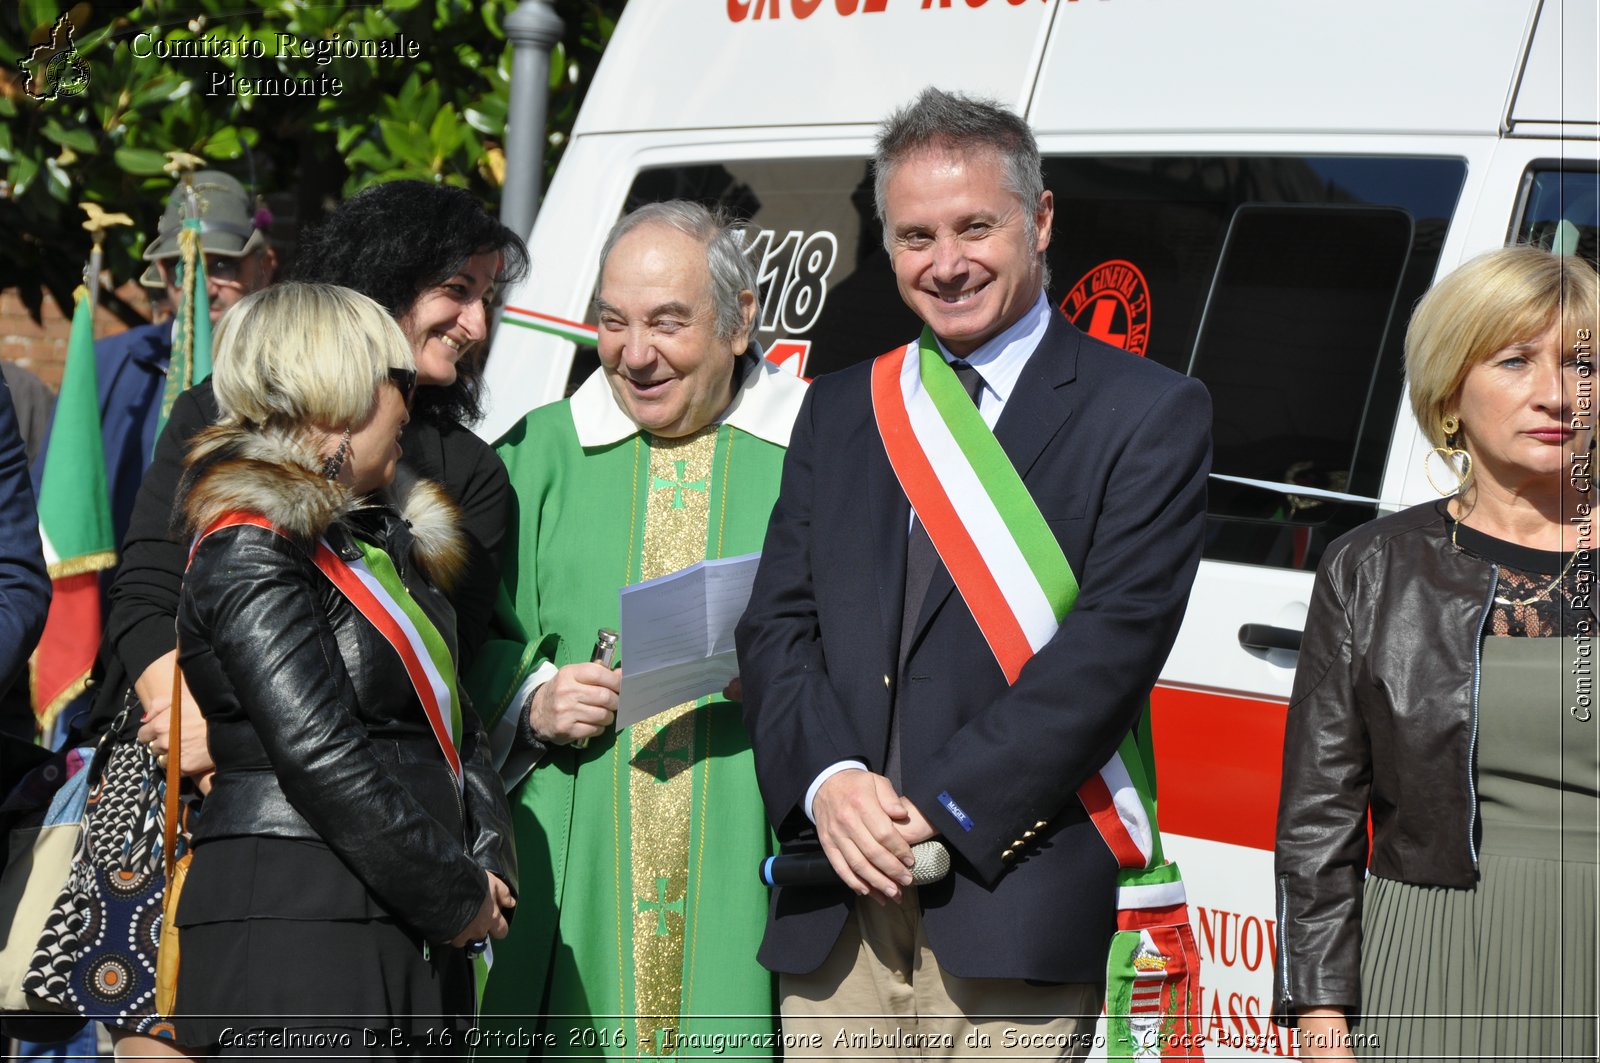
(661, 906)
(678, 485)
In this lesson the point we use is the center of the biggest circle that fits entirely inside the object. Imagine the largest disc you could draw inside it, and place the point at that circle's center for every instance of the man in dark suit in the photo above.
(24, 580)
(879, 715)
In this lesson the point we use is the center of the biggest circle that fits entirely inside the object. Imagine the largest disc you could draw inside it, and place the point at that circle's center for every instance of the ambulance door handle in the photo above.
(1267, 637)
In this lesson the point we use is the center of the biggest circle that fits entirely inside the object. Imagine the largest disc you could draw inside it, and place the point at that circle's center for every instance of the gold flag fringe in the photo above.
(77, 566)
(47, 715)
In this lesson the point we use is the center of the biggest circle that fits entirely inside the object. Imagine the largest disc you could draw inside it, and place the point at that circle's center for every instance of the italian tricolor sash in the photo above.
(373, 585)
(1019, 586)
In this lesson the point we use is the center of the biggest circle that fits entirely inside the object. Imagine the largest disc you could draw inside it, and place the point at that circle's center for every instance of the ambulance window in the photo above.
(1283, 283)
(1560, 209)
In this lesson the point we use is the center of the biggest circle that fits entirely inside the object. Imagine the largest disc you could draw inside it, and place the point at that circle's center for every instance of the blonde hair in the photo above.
(297, 355)
(1496, 299)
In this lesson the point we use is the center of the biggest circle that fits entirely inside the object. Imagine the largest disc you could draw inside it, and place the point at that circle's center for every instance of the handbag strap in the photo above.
(169, 840)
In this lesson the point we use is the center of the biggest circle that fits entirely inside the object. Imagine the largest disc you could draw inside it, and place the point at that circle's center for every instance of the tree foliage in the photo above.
(440, 116)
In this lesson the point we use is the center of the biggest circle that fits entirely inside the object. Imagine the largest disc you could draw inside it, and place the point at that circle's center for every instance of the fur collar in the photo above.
(278, 477)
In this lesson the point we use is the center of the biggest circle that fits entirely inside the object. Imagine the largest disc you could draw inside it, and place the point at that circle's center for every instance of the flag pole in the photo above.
(97, 224)
(191, 329)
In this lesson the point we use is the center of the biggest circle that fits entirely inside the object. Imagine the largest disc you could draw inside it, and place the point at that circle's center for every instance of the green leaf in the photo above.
(225, 143)
(368, 156)
(345, 136)
(23, 171)
(484, 118)
(78, 139)
(407, 99)
(161, 89)
(37, 14)
(445, 132)
(406, 143)
(427, 102)
(88, 43)
(140, 161)
(121, 68)
(59, 183)
(558, 66)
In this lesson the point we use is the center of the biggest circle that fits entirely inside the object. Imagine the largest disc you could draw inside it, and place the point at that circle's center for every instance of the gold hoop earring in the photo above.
(1451, 455)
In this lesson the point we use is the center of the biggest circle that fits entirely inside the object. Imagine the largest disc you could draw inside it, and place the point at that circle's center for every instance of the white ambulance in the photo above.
(1254, 192)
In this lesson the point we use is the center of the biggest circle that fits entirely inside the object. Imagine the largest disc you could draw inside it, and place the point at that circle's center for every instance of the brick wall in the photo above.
(41, 347)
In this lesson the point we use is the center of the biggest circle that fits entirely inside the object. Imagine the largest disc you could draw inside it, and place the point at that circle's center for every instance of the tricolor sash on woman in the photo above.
(1019, 586)
(373, 585)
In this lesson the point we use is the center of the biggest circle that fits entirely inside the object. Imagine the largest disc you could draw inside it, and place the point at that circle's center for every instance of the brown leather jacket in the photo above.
(1383, 719)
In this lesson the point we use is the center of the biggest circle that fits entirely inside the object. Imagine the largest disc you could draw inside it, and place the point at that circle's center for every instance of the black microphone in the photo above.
(813, 869)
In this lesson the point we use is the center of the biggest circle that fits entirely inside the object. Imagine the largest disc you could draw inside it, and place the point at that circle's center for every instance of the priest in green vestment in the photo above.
(640, 911)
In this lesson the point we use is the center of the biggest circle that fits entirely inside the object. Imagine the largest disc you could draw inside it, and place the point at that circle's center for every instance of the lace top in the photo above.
(1530, 600)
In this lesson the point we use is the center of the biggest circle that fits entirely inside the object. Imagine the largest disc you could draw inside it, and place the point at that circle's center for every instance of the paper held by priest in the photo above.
(676, 640)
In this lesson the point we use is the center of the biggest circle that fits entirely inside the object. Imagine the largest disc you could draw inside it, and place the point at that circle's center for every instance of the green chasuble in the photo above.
(639, 912)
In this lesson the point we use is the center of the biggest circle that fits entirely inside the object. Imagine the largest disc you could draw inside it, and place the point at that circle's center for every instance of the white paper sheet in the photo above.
(676, 641)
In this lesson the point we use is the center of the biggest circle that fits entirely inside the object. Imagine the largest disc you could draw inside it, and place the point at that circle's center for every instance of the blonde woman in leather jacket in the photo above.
(351, 847)
(1437, 694)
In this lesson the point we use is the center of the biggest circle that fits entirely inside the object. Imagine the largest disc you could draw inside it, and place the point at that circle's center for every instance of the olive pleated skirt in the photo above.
(1505, 970)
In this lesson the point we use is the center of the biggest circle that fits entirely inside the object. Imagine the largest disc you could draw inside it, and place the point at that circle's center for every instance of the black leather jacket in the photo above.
(315, 728)
(1383, 717)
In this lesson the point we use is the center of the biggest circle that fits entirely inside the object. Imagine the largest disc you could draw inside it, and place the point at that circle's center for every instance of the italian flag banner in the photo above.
(575, 331)
(75, 524)
(1019, 586)
(191, 331)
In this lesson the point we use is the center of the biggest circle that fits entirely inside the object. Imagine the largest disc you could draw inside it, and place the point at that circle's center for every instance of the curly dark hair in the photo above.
(395, 241)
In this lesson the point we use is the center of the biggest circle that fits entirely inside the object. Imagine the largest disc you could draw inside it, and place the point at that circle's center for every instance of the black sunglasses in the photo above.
(405, 381)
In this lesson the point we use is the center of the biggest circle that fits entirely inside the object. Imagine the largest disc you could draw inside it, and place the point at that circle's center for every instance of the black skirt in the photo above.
(285, 952)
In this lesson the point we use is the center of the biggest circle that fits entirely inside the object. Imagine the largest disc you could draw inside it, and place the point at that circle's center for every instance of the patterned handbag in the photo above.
(97, 955)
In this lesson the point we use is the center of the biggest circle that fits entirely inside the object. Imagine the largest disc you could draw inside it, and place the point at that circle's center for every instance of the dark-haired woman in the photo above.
(434, 259)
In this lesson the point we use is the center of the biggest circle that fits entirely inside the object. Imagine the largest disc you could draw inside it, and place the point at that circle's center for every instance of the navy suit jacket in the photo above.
(24, 582)
(1115, 451)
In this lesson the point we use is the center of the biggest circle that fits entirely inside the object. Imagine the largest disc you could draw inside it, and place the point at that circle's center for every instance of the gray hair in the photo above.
(958, 123)
(731, 271)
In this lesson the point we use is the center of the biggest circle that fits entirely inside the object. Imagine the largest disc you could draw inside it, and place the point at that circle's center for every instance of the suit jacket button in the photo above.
(1027, 834)
(1006, 855)
(1040, 825)
(886, 680)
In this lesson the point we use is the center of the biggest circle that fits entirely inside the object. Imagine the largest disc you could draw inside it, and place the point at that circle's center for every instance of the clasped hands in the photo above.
(490, 922)
(867, 831)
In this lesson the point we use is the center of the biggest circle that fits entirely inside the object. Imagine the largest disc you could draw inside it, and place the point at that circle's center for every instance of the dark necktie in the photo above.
(922, 560)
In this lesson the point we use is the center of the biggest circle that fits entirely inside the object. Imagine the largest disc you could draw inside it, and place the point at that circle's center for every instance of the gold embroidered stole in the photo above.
(662, 752)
